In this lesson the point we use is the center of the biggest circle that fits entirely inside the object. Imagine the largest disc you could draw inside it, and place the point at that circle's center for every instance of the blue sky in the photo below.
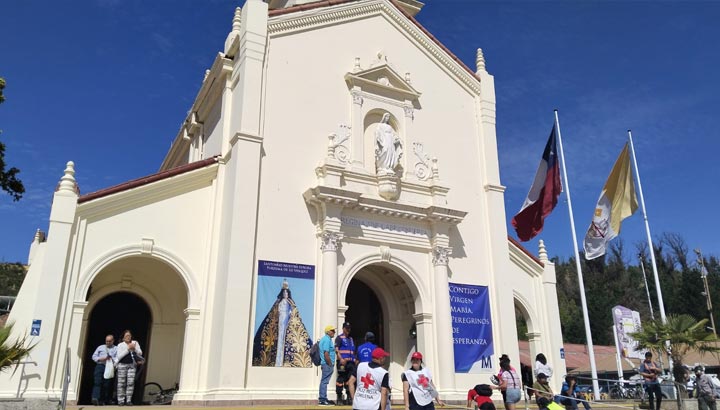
(107, 84)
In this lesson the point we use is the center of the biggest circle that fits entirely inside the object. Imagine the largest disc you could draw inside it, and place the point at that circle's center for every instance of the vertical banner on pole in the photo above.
(472, 328)
(627, 321)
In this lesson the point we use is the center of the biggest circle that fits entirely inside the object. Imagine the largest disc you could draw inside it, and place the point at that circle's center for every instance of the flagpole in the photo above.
(588, 334)
(661, 304)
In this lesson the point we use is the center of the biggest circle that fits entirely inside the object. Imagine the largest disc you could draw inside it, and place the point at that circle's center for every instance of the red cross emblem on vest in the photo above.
(367, 380)
(423, 381)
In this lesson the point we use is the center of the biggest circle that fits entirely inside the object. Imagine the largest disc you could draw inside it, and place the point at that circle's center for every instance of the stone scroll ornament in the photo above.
(388, 148)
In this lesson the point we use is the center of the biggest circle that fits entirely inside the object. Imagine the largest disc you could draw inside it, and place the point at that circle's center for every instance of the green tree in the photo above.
(9, 181)
(12, 353)
(684, 333)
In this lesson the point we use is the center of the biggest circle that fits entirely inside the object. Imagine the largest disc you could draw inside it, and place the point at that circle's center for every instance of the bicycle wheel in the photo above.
(616, 393)
(151, 391)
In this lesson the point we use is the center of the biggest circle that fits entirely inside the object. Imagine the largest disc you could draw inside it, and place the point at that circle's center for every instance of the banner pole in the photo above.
(586, 318)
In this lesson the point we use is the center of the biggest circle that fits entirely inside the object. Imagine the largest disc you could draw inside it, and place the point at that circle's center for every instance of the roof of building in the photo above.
(577, 359)
(327, 3)
(148, 179)
(525, 250)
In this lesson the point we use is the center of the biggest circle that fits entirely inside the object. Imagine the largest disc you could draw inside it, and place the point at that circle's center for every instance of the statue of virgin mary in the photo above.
(282, 339)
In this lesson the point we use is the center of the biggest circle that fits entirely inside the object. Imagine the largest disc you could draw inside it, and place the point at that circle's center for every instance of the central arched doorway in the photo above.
(382, 299)
(113, 314)
(364, 313)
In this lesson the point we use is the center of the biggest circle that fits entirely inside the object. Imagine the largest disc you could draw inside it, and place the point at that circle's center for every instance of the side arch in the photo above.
(175, 262)
(526, 308)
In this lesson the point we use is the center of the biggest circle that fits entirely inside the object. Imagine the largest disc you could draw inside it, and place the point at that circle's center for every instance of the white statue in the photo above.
(388, 148)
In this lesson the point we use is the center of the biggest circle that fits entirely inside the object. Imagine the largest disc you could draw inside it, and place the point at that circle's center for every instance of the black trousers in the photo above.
(654, 390)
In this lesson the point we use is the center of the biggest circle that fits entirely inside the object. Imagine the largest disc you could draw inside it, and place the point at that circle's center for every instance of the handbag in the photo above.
(109, 369)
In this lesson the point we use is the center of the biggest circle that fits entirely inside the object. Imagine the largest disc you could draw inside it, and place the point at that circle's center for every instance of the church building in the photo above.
(339, 164)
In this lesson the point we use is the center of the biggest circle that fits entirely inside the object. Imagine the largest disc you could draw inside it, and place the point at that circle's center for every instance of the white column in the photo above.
(329, 279)
(190, 354)
(443, 324)
(76, 357)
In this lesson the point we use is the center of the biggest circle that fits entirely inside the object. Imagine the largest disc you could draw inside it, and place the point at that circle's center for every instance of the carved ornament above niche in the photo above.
(385, 82)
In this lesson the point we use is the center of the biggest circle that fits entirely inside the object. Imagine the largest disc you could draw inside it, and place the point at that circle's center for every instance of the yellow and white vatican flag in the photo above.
(617, 201)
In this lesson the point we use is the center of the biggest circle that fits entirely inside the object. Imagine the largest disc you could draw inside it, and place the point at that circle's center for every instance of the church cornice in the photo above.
(323, 13)
(374, 206)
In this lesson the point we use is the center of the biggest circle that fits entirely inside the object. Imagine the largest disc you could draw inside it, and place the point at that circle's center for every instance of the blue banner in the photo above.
(472, 328)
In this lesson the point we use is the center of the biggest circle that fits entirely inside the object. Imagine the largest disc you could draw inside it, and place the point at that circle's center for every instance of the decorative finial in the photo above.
(407, 78)
(480, 61)
(542, 251)
(237, 18)
(207, 73)
(37, 235)
(67, 182)
(357, 68)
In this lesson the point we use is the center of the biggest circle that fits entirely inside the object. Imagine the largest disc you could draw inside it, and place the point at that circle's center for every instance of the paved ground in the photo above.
(521, 406)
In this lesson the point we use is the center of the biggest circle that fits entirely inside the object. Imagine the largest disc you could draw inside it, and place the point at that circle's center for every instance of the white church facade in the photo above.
(338, 164)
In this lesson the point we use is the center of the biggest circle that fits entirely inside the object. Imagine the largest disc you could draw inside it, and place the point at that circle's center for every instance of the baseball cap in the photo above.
(417, 355)
(369, 336)
(329, 328)
(346, 325)
(542, 376)
(378, 352)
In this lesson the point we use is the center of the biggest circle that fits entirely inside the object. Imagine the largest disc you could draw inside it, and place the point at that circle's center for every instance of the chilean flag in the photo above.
(543, 195)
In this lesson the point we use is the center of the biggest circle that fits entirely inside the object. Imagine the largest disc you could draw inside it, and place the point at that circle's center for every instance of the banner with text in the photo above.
(472, 328)
(626, 322)
(284, 314)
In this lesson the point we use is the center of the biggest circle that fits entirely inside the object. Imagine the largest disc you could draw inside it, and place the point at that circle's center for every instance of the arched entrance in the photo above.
(364, 313)
(159, 326)
(380, 299)
(528, 341)
(113, 314)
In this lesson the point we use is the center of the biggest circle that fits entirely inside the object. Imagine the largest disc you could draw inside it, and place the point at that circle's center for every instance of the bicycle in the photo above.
(620, 392)
(154, 394)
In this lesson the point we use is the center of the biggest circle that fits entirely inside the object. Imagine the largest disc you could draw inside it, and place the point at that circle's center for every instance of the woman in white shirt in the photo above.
(129, 356)
(541, 366)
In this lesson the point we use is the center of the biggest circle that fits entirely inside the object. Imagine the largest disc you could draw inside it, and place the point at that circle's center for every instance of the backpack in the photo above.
(315, 353)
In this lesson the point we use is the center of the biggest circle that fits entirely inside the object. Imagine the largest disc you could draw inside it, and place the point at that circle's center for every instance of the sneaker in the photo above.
(95, 402)
(323, 403)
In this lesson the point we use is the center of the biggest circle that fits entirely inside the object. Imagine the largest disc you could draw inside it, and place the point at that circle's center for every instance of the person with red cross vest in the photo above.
(345, 349)
(418, 388)
(373, 383)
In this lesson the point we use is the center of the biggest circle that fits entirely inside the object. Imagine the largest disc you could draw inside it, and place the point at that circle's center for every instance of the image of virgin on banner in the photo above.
(285, 291)
(472, 328)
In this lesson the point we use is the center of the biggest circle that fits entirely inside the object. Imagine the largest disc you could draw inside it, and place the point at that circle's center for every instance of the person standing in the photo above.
(365, 349)
(542, 366)
(327, 361)
(503, 357)
(129, 356)
(102, 387)
(704, 390)
(418, 387)
(345, 349)
(373, 383)
(570, 389)
(510, 384)
(650, 371)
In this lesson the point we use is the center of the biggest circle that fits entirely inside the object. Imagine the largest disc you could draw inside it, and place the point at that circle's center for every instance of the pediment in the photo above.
(382, 80)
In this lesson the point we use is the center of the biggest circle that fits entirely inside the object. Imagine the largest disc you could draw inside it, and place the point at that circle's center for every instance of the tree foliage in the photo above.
(9, 181)
(12, 351)
(684, 333)
(11, 277)
(617, 279)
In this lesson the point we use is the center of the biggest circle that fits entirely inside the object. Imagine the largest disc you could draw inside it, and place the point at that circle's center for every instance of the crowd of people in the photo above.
(116, 370)
(362, 381)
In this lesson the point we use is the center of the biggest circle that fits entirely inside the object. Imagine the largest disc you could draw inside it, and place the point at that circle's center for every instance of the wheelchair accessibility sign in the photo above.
(35, 329)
